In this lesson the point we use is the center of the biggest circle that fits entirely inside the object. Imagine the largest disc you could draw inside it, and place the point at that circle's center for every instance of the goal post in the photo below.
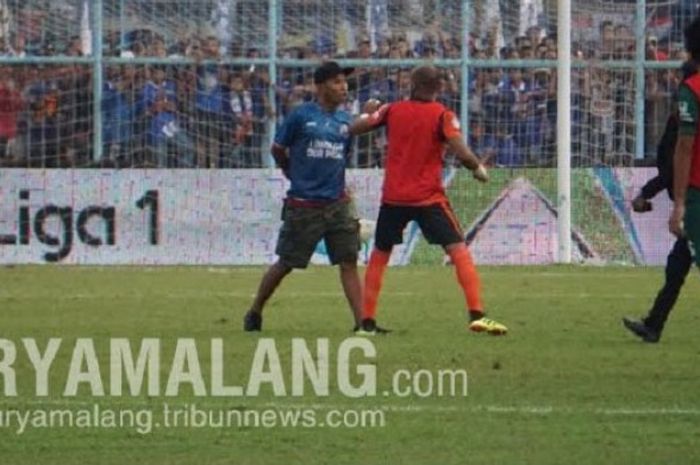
(564, 132)
(562, 98)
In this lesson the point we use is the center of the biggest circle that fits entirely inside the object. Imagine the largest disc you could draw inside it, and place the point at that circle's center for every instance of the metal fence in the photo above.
(185, 83)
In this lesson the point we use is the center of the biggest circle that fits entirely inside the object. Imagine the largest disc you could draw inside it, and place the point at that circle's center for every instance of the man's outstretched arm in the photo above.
(456, 145)
(372, 116)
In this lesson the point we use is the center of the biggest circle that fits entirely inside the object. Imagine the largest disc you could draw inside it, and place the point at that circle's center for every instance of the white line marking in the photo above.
(203, 294)
(538, 410)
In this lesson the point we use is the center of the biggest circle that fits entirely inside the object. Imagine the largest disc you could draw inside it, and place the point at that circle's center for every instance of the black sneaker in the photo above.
(252, 322)
(641, 330)
(369, 327)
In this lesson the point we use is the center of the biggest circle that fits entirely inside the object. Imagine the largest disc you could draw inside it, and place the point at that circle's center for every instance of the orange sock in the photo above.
(374, 275)
(468, 277)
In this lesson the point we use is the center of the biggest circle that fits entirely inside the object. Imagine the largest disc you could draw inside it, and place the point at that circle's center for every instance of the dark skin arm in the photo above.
(465, 155)
(681, 175)
(362, 124)
(281, 156)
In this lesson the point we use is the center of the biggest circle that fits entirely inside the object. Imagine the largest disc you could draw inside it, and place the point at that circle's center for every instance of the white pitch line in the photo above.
(649, 411)
(291, 294)
(204, 294)
(538, 410)
(240, 270)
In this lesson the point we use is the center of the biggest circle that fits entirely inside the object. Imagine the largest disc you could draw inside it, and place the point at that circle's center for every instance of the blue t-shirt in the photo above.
(151, 90)
(117, 115)
(161, 126)
(209, 95)
(318, 143)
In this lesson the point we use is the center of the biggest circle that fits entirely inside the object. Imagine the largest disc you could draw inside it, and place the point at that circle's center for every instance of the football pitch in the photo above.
(567, 385)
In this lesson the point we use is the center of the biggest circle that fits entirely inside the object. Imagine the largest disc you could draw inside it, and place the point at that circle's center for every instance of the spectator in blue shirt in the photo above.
(259, 84)
(164, 135)
(118, 113)
(241, 107)
(507, 152)
(213, 119)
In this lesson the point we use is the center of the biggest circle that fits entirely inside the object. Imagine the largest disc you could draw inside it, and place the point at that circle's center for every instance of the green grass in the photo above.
(567, 385)
(592, 215)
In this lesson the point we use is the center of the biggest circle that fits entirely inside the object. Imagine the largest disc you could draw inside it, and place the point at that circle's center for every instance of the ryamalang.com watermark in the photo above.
(127, 368)
(147, 420)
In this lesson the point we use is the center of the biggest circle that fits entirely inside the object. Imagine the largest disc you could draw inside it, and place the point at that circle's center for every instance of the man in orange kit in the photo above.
(419, 130)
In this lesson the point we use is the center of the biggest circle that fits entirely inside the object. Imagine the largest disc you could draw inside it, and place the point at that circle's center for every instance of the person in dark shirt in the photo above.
(679, 260)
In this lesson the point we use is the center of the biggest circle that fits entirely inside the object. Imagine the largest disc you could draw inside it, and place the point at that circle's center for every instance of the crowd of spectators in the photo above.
(211, 114)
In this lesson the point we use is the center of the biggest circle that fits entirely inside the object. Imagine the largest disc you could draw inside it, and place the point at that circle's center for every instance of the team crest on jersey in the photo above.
(684, 112)
(343, 129)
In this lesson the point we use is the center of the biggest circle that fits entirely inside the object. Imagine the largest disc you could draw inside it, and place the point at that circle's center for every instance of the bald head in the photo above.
(426, 82)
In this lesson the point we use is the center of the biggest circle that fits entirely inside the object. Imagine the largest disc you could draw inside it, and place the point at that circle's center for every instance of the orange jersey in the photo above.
(416, 132)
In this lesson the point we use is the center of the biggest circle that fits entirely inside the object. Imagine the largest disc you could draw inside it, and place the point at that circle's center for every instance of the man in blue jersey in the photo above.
(312, 148)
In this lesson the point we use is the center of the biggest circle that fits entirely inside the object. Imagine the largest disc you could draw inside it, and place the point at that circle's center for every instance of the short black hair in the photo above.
(329, 70)
(606, 23)
(692, 39)
(505, 51)
(688, 69)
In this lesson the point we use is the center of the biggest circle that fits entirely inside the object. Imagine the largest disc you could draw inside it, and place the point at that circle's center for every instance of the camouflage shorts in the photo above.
(304, 227)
